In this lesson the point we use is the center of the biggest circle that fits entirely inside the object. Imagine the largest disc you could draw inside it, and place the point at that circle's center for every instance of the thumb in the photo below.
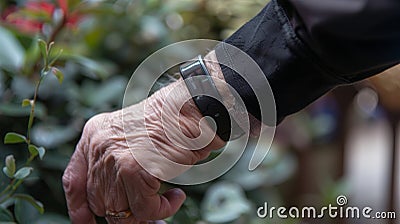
(155, 207)
(170, 202)
(175, 198)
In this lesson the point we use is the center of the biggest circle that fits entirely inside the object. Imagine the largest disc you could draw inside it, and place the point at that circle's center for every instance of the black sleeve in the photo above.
(307, 47)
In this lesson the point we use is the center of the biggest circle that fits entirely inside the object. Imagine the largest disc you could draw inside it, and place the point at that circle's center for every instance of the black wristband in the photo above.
(207, 98)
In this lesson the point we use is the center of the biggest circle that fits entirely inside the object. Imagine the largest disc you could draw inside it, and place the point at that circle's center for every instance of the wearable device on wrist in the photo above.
(207, 98)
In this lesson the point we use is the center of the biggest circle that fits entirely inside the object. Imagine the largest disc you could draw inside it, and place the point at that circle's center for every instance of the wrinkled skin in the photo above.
(104, 172)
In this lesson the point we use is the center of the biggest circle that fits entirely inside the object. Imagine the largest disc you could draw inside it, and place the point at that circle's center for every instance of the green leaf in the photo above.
(9, 169)
(41, 151)
(34, 151)
(12, 53)
(55, 58)
(43, 50)
(6, 172)
(37, 204)
(26, 102)
(25, 212)
(51, 44)
(23, 172)
(5, 215)
(12, 137)
(58, 74)
(34, 14)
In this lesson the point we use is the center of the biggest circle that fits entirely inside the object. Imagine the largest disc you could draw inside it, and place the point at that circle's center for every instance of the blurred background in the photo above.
(342, 144)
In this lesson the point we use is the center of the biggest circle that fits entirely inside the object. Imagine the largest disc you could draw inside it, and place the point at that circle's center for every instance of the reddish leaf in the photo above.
(64, 6)
(46, 7)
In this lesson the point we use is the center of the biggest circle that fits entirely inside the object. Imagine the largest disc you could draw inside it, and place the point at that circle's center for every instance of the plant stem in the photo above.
(7, 188)
(57, 30)
(14, 184)
(32, 113)
(5, 191)
(13, 188)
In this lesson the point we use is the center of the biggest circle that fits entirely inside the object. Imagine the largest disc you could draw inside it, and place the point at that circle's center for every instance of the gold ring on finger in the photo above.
(119, 215)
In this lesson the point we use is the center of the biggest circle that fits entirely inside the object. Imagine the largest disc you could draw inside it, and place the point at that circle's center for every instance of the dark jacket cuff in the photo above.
(295, 74)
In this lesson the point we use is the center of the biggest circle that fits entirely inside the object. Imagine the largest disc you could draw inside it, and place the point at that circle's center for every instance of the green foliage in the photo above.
(23, 173)
(34, 151)
(59, 75)
(6, 215)
(12, 137)
(25, 211)
(19, 176)
(12, 53)
(44, 51)
(37, 204)
(26, 103)
(9, 169)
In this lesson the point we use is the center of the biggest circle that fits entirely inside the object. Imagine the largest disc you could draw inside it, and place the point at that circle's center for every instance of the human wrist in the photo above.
(233, 104)
(235, 108)
(211, 62)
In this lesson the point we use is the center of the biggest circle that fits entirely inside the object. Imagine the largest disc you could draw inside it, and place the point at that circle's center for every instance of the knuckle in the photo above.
(125, 171)
(70, 186)
(127, 168)
(94, 138)
(93, 122)
(149, 182)
(66, 181)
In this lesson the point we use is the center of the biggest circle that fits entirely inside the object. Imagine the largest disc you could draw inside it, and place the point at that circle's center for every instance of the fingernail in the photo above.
(178, 191)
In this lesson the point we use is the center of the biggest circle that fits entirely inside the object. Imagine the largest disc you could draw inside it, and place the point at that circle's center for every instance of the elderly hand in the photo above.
(119, 162)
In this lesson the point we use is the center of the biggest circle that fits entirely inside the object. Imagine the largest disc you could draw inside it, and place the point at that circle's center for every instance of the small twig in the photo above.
(57, 29)
(7, 188)
(32, 113)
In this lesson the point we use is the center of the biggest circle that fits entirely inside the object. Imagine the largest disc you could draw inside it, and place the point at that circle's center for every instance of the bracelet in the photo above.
(208, 100)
